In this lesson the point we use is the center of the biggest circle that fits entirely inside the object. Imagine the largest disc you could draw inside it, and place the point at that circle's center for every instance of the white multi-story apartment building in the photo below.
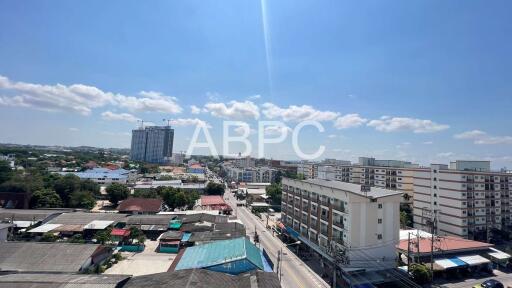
(331, 216)
(308, 169)
(250, 174)
(388, 174)
(466, 198)
(245, 162)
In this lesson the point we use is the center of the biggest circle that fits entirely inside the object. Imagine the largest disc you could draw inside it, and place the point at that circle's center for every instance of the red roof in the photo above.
(443, 243)
(196, 166)
(208, 200)
(120, 232)
(140, 205)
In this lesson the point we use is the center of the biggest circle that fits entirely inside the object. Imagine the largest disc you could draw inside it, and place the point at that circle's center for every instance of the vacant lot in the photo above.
(146, 262)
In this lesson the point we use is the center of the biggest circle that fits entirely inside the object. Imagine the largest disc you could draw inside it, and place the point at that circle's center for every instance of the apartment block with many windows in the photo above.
(333, 216)
(467, 198)
(388, 174)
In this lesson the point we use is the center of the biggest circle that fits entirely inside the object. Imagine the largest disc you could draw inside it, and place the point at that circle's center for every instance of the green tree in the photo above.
(77, 238)
(82, 199)
(405, 216)
(178, 198)
(117, 192)
(48, 237)
(135, 233)
(420, 273)
(5, 172)
(214, 189)
(103, 236)
(145, 193)
(67, 185)
(45, 198)
(274, 191)
(91, 186)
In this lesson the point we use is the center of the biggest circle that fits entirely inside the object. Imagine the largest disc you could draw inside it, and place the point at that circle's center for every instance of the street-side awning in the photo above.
(23, 224)
(474, 260)
(450, 263)
(44, 228)
(497, 254)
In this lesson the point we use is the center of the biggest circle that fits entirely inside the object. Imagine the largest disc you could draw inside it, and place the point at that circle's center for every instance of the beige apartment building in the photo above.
(330, 216)
(465, 199)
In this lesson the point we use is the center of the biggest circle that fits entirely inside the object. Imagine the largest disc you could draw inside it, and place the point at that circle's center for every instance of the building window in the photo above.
(380, 206)
(379, 236)
(379, 221)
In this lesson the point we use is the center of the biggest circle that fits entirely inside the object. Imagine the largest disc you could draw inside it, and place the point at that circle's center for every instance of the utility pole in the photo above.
(431, 222)
(408, 252)
(432, 237)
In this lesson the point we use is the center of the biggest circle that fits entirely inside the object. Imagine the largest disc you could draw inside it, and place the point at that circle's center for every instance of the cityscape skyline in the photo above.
(432, 86)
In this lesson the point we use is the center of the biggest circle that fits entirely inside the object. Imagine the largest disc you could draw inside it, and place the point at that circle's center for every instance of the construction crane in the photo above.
(168, 121)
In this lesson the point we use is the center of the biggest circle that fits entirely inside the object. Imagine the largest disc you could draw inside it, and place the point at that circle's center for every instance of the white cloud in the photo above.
(73, 129)
(79, 98)
(213, 96)
(254, 97)
(428, 142)
(150, 101)
(111, 116)
(276, 130)
(297, 113)
(194, 109)
(394, 124)
(234, 110)
(349, 121)
(182, 122)
(331, 136)
(482, 138)
(241, 129)
(445, 154)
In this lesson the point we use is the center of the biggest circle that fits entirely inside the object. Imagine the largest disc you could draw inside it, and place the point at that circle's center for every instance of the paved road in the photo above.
(295, 274)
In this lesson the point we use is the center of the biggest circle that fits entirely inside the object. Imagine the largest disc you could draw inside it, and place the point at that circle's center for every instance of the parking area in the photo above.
(143, 263)
(505, 278)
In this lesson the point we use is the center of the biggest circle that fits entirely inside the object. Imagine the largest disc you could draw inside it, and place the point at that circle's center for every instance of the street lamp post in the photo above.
(280, 258)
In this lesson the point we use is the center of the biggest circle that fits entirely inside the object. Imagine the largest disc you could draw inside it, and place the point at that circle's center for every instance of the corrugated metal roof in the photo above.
(44, 228)
(40, 280)
(82, 218)
(98, 224)
(219, 252)
(44, 257)
(199, 278)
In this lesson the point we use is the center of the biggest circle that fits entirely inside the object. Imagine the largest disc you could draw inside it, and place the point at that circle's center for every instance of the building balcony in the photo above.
(339, 224)
(339, 207)
(324, 217)
(325, 203)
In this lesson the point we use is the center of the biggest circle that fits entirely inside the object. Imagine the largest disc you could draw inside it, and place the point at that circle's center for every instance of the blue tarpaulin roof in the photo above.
(220, 252)
(186, 236)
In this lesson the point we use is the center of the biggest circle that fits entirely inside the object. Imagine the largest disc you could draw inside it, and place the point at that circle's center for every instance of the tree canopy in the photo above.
(5, 171)
(274, 191)
(117, 192)
(178, 198)
(45, 198)
(82, 199)
(214, 189)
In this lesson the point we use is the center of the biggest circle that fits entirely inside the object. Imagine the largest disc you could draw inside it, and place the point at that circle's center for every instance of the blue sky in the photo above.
(439, 72)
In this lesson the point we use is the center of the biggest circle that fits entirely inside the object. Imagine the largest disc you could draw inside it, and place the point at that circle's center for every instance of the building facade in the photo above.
(332, 218)
(387, 174)
(465, 199)
(262, 174)
(152, 144)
